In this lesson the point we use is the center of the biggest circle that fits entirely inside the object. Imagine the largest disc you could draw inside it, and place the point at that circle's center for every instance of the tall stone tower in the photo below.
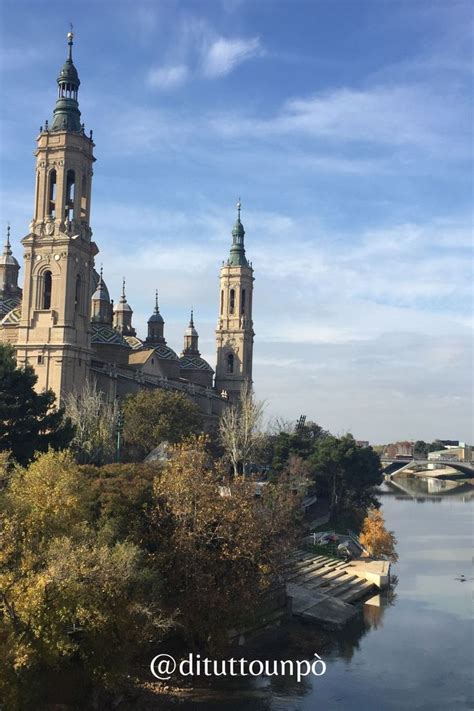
(54, 332)
(235, 334)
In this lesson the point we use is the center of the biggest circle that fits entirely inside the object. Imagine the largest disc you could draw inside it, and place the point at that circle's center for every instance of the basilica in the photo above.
(63, 322)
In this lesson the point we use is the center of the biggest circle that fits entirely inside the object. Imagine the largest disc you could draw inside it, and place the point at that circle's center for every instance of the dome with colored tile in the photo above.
(194, 362)
(106, 335)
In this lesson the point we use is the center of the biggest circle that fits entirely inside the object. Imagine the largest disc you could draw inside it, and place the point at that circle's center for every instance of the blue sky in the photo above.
(345, 127)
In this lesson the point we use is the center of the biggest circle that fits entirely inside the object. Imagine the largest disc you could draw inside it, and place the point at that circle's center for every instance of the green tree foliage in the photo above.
(29, 422)
(422, 449)
(154, 416)
(300, 442)
(345, 473)
(66, 593)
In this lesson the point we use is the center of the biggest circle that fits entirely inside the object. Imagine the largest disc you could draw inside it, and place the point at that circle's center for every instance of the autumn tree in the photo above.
(94, 422)
(219, 546)
(29, 421)
(66, 592)
(239, 429)
(121, 499)
(376, 539)
(154, 416)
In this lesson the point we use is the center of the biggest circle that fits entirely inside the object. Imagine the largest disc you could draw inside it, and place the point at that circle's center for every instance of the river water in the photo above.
(414, 651)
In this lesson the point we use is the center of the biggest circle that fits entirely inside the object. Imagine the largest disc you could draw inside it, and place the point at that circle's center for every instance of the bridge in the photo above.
(396, 465)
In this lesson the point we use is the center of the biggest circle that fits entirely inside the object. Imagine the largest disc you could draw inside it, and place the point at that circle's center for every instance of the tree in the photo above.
(422, 449)
(379, 542)
(219, 546)
(345, 473)
(94, 422)
(29, 422)
(66, 592)
(154, 416)
(239, 429)
(122, 498)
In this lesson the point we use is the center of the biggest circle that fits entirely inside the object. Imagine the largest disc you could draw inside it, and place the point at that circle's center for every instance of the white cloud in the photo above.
(168, 77)
(223, 55)
(386, 115)
(197, 50)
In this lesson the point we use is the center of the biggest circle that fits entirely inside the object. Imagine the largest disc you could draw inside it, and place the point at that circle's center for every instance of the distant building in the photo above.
(455, 454)
(399, 449)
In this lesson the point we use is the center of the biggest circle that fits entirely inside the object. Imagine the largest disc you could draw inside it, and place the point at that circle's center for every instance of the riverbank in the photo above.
(388, 657)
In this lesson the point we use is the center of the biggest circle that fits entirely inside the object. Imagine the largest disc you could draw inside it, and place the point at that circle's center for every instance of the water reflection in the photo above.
(421, 487)
(409, 648)
(390, 656)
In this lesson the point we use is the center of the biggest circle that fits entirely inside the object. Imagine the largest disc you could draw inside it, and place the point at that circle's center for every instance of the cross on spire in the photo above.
(70, 41)
(7, 248)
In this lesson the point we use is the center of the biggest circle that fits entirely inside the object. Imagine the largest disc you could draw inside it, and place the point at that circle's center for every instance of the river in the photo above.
(413, 652)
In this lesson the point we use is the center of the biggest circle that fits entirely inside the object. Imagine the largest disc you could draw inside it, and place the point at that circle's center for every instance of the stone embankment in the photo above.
(324, 589)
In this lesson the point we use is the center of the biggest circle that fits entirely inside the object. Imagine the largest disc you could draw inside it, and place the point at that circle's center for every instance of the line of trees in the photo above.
(100, 561)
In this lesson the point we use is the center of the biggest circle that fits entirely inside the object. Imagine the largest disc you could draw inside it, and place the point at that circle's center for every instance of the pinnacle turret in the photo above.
(156, 325)
(237, 256)
(191, 339)
(66, 115)
(9, 268)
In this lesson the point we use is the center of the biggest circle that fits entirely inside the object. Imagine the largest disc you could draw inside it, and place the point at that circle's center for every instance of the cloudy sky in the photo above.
(345, 127)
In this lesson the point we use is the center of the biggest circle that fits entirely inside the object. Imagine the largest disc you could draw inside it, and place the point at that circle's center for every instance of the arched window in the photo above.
(232, 301)
(230, 363)
(70, 190)
(84, 197)
(47, 287)
(242, 302)
(52, 194)
(77, 299)
(222, 302)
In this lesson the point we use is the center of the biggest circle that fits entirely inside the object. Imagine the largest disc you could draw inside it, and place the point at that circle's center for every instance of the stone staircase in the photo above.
(323, 589)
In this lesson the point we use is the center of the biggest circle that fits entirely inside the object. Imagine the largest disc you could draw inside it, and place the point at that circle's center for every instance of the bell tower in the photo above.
(59, 253)
(234, 333)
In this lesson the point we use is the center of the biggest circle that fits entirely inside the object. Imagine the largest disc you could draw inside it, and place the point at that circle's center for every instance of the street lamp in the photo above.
(118, 431)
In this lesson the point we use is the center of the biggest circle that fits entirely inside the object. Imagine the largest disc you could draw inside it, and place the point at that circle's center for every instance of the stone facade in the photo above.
(63, 322)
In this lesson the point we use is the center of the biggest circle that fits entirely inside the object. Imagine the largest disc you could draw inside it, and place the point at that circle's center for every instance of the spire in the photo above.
(9, 269)
(237, 256)
(191, 338)
(156, 325)
(123, 315)
(101, 306)
(66, 115)
(7, 250)
(70, 41)
(7, 258)
(123, 304)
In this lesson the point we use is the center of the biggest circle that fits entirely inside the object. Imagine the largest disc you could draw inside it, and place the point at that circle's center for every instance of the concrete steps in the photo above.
(357, 591)
(322, 588)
